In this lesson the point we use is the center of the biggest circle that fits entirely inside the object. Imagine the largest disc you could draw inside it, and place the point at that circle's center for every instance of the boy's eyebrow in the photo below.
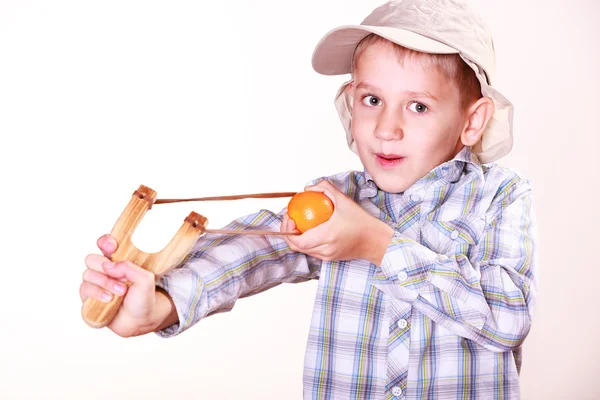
(370, 88)
(422, 94)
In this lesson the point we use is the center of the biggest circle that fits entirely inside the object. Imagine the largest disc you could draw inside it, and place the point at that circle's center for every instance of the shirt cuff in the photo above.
(187, 310)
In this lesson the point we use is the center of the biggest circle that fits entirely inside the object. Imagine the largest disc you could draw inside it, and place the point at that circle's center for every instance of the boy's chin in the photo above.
(392, 184)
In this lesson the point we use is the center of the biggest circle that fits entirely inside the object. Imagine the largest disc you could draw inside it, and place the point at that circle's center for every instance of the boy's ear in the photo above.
(479, 115)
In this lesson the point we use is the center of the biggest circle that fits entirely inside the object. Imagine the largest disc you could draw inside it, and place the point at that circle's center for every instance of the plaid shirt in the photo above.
(443, 317)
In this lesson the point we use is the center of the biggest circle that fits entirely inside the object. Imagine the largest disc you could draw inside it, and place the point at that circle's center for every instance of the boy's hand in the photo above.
(350, 233)
(140, 312)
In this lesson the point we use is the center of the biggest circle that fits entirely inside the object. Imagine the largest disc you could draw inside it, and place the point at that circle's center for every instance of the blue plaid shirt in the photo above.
(443, 317)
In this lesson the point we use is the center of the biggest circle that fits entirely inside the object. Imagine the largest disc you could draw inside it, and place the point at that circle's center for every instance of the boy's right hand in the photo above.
(103, 279)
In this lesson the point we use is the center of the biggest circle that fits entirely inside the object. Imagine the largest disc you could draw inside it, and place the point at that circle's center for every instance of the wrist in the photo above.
(165, 313)
(378, 241)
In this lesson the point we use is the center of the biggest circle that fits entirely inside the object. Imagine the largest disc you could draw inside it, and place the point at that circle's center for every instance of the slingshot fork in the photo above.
(98, 314)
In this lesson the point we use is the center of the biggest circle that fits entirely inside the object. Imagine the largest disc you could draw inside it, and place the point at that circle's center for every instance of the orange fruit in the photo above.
(309, 209)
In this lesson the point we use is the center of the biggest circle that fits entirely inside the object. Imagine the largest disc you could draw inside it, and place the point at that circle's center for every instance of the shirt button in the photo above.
(402, 324)
(415, 197)
(396, 391)
(402, 276)
(454, 235)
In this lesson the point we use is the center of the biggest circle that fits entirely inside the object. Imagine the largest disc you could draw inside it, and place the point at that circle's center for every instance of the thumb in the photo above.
(126, 271)
(107, 244)
(291, 225)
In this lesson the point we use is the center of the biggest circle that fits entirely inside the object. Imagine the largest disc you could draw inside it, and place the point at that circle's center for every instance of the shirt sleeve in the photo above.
(486, 293)
(223, 268)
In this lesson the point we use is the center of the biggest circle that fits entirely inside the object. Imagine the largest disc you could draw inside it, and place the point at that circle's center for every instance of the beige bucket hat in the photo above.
(429, 26)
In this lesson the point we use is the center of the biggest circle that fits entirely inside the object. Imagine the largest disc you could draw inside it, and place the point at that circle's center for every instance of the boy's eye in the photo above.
(371, 101)
(417, 107)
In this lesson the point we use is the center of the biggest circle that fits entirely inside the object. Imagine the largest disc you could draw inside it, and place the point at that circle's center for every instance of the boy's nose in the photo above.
(389, 127)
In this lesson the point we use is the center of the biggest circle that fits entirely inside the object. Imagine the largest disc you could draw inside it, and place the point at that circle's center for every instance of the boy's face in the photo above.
(406, 120)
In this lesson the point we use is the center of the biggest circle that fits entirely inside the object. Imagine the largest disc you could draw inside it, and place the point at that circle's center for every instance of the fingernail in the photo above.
(120, 288)
(106, 297)
(108, 264)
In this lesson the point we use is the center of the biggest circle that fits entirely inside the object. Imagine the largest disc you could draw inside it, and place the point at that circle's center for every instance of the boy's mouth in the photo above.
(388, 160)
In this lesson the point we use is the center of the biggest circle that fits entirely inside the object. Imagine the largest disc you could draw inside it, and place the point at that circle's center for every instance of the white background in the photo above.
(212, 98)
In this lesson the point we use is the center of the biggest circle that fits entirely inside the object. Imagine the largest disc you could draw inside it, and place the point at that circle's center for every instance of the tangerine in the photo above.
(309, 209)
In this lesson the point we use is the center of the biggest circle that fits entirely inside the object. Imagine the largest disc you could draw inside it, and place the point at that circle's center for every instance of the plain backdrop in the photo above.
(200, 98)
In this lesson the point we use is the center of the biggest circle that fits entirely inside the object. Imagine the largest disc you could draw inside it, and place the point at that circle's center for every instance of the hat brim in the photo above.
(333, 54)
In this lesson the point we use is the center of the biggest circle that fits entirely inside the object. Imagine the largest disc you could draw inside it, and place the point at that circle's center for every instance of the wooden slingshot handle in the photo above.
(98, 314)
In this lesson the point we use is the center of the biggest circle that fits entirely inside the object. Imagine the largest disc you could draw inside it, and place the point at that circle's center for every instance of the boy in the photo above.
(427, 269)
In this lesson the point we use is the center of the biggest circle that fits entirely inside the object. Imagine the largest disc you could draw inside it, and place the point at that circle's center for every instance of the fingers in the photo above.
(105, 286)
(324, 251)
(312, 241)
(107, 244)
(128, 271)
(103, 278)
(89, 290)
(96, 283)
(288, 225)
(95, 261)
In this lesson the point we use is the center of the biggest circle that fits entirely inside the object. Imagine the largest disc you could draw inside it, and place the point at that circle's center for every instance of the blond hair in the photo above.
(449, 65)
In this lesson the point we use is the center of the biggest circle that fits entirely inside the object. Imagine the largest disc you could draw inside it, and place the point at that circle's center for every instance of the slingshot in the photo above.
(98, 314)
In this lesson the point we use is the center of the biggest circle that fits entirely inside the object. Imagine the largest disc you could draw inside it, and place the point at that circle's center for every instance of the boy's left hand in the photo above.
(350, 233)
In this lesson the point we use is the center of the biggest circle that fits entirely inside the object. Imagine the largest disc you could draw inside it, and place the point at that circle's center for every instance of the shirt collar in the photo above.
(465, 161)
(450, 171)
(368, 187)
